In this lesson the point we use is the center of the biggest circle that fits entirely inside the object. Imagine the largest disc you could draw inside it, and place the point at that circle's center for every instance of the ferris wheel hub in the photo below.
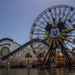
(55, 32)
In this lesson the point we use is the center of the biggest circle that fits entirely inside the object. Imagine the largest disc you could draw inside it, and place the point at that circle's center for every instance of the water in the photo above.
(24, 71)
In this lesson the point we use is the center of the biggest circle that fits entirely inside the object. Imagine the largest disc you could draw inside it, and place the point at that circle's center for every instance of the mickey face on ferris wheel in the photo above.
(54, 32)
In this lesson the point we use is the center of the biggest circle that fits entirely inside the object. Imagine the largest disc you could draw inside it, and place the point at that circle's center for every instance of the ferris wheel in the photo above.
(56, 26)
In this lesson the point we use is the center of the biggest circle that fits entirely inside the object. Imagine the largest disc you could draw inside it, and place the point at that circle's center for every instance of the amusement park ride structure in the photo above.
(56, 26)
(51, 40)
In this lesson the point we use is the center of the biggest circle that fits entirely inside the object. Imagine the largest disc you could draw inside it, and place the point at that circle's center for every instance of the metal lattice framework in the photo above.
(56, 26)
(27, 55)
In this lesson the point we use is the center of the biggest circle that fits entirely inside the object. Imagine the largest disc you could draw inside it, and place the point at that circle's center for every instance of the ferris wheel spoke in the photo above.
(57, 42)
(55, 15)
(67, 40)
(63, 14)
(41, 26)
(67, 31)
(38, 33)
(44, 18)
(47, 16)
(39, 30)
(68, 14)
(70, 35)
(73, 20)
(46, 58)
(60, 14)
(41, 23)
(68, 44)
(72, 15)
(53, 19)
(54, 43)
(50, 41)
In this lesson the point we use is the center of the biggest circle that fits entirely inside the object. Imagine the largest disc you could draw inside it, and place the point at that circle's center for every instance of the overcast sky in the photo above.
(17, 16)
